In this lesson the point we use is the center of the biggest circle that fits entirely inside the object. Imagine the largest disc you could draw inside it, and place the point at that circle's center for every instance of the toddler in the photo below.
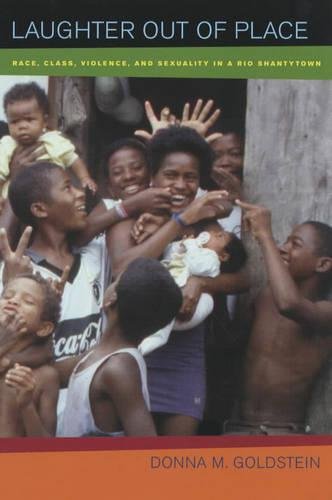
(26, 108)
(29, 312)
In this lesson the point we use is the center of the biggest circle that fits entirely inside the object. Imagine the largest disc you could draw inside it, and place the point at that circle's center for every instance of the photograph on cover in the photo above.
(167, 243)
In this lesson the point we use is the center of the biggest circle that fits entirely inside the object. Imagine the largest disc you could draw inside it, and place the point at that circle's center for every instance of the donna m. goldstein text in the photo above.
(154, 30)
(249, 462)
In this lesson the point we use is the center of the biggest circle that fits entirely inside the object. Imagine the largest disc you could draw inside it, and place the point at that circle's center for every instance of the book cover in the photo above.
(268, 68)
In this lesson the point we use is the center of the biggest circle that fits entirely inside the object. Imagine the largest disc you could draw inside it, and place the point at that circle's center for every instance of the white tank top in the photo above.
(77, 417)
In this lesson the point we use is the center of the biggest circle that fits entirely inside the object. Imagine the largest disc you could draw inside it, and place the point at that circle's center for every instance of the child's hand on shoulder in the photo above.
(146, 225)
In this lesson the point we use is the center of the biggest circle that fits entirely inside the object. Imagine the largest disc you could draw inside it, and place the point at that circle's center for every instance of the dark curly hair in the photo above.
(147, 298)
(29, 186)
(125, 143)
(185, 140)
(25, 92)
(324, 236)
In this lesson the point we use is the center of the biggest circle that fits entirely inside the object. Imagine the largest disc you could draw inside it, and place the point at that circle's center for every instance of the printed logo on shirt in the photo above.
(73, 337)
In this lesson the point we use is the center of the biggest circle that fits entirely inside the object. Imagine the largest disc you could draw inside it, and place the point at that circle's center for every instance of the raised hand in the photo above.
(213, 205)
(256, 219)
(22, 379)
(15, 262)
(166, 119)
(146, 225)
(199, 120)
(148, 200)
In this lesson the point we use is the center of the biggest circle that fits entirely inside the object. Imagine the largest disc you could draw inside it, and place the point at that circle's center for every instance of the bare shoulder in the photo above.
(121, 364)
(120, 371)
(46, 376)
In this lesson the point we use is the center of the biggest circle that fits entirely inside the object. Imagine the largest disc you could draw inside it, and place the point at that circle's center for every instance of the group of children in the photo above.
(167, 250)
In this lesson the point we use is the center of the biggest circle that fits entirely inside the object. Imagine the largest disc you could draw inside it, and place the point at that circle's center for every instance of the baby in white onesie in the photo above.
(203, 256)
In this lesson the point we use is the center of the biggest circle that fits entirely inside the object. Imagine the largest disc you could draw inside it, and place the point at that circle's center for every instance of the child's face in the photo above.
(127, 173)
(24, 297)
(299, 251)
(219, 239)
(26, 121)
(66, 209)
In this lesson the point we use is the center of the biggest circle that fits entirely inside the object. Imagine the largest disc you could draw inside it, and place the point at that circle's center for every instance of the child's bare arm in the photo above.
(64, 367)
(122, 247)
(101, 219)
(81, 171)
(122, 382)
(33, 356)
(288, 299)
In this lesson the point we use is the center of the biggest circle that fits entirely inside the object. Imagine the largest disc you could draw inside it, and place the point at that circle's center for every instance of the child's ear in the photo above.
(45, 329)
(110, 300)
(324, 265)
(224, 256)
(39, 210)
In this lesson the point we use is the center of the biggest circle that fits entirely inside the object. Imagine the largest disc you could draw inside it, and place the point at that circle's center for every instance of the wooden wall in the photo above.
(288, 167)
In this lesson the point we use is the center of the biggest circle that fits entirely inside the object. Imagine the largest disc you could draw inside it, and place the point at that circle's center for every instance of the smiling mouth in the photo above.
(132, 189)
(81, 209)
(178, 200)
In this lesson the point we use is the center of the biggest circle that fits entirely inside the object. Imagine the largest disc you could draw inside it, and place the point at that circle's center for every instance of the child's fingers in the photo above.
(22, 375)
(150, 112)
(172, 119)
(144, 236)
(64, 276)
(164, 114)
(21, 369)
(245, 205)
(18, 378)
(23, 242)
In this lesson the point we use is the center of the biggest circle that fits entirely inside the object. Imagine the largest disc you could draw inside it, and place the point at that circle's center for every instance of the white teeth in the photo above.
(131, 189)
